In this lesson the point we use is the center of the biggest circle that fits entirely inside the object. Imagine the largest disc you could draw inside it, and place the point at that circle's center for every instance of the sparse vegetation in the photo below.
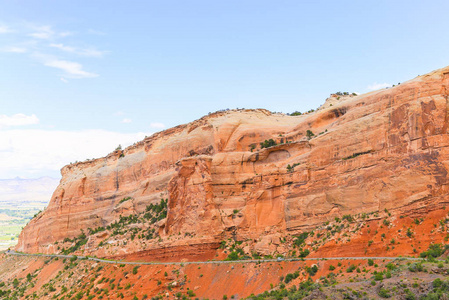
(268, 143)
(434, 251)
(312, 270)
(357, 154)
(124, 200)
(309, 134)
(300, 239)
(291, 168)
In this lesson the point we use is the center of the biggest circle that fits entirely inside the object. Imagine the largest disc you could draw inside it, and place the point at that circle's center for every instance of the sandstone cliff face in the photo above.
(385, 149)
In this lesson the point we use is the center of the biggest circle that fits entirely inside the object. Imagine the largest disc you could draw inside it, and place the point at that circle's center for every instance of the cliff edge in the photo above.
(255, 176)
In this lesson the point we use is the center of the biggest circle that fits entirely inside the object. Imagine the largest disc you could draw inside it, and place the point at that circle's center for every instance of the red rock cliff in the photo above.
(385, 149)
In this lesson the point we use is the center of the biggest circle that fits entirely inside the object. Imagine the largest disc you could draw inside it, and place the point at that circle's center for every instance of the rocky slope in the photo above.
(382, 150)
(52, 278)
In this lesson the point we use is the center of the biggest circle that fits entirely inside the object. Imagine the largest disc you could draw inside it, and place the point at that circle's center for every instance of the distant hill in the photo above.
(19, 190)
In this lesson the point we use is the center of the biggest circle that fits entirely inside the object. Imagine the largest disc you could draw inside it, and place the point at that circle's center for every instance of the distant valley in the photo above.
(20, 200)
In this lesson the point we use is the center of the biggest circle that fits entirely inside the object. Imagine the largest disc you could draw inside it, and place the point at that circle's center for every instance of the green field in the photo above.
(13, 217)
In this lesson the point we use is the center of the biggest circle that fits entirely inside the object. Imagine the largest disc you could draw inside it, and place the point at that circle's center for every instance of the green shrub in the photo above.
(233, 256)
(378, 276)
(416, 267)
(300, 239)
(304, 253)
(384, 293)
(434, 250)
(351, 268)
(290, 276)
(309, 134)
(124, 200)
(312, 270)
(268, 143)
(348, 218)
(409, 295)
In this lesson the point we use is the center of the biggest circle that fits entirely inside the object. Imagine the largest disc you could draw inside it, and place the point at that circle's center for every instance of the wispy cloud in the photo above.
(65, 33)
(71, 68)
(31, 153)
(5, 29)
(79, 51)
(157, 125)
(17, 120)
(43, 43)
(64, 80)
(14, 49)
(378, 86)
(47, 32)
(96, 32)
(126, 121)
(42, 32)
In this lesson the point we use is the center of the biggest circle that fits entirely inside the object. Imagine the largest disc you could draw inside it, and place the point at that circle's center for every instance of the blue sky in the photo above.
(79, 77)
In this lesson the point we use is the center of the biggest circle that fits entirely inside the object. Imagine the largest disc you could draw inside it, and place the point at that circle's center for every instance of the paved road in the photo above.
(206, 262)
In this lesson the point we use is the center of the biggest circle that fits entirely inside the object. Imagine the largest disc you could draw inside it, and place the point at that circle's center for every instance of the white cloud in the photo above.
(96, 32)
(78, 51)
(17, 120)
(65, 33)
(62, 47)
(5, 29)
(42, 32)
(64, 80)
(45, 38)
(157, 125)
(13, 49)
(32, 153)
(125, 120)
(378, 86)
(72, 68)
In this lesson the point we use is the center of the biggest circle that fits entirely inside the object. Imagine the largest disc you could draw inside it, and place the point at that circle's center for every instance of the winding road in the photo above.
(208, 262)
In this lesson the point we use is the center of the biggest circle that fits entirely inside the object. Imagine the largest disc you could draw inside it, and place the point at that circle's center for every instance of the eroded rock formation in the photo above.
(385, 149)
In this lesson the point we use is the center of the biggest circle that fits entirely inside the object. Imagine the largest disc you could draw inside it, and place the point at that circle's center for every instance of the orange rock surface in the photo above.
(210, 281)
(387, 149)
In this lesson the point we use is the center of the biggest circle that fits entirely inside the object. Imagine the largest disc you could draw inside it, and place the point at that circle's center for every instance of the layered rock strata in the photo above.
(387, 149)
